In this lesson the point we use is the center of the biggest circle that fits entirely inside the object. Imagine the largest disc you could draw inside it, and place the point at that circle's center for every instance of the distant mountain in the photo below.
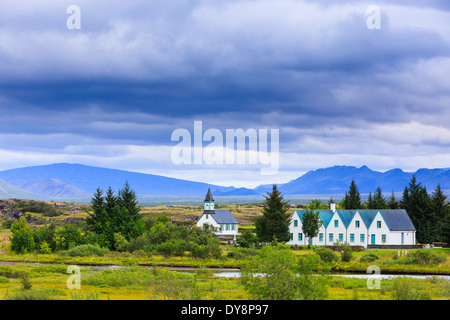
(237, 192)
(337, 179)
(52, 188)
(88, 178)
(63, 180)
(9, 191)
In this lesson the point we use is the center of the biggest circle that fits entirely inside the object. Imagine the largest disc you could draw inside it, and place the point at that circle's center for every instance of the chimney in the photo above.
(333, 207)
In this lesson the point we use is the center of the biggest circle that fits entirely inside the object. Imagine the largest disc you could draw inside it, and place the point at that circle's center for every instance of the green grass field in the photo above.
(139, 280)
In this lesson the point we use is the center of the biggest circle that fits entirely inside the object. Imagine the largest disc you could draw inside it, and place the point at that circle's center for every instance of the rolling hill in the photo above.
(63, 180)
(336, 180)
(9, 191)
(88, 178)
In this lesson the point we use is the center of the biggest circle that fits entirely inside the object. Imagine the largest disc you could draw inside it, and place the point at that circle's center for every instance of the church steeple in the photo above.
(208, 202)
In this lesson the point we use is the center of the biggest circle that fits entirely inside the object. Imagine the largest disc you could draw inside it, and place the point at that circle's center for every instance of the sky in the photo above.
(109, 84)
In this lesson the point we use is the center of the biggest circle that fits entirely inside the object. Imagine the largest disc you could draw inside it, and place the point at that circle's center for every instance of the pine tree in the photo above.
(97, 217)
(352, 199)
(111, 201)
(379, 202)
(127, 199)
(275, 219)
(417, 204)
(440, 210)
(370, 202)
(393, 203)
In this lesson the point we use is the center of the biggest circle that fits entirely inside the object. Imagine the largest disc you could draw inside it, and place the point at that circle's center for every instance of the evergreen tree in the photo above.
(440, 209)
(393, 203)
(111, 201)
(127, 199)
(379, 202)
(115, 214)
(370, 204)
(352, 199)
(275, 219)
(444, 234)
(417, 204)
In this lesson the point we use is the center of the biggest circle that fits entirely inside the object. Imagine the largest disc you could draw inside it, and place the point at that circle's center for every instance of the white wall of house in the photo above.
(223, 229)
(206, 218)
(378, 229)
(358, 229)
(379, 232)
(295, 228)
(409, 237)
(336, 230)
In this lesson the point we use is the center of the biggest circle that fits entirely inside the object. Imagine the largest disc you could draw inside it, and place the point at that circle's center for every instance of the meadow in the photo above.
(141, 275)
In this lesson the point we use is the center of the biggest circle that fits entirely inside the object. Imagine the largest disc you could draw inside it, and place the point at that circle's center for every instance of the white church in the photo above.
(357, 227)
(223, 221)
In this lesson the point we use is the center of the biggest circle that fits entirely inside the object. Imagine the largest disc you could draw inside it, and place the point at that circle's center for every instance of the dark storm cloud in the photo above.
(134, 73)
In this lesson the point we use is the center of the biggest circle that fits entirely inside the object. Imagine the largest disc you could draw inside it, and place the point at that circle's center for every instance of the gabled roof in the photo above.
(346, 216)
(324, 215)
(367, 216)
(397, 220)
(223, 216)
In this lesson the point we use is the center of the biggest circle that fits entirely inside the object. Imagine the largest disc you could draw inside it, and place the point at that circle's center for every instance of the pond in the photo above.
(237, 274)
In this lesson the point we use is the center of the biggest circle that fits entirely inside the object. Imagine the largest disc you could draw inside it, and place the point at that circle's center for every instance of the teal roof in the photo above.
(324, 215)
(367, 216)
(346, 216)
(396, 220)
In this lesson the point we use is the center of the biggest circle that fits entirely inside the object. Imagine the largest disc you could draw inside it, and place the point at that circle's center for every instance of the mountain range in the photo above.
(77, 181)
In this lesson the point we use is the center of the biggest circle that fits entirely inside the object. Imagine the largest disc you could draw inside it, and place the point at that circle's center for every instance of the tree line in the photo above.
(430, 213)
(115, 223)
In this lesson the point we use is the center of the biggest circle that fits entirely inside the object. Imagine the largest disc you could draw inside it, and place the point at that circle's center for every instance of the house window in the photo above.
(292, 236)
(320, 237)
(206, 216)
(357, 224)
(378, 224)
(361, 237)
(383, 238)
(295, 223)
(336, 223)
(300, 237)
(352, 237)
(330, 237)
(341, 237)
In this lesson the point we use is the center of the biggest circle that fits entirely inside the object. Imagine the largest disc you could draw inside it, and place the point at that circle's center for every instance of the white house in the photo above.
(222, 220)
(357, 227)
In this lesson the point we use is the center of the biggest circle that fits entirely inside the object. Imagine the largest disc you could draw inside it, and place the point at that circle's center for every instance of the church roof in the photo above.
(223, 216)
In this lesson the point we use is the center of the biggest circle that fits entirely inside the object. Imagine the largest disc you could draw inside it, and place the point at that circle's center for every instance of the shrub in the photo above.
(241, 253)
(4, 279)
(45, 248)
(369, 257)
(402, 290)
(41, 268)
(346, 253)
(423, 256)
(247, 239)
(86, 250)
(326, 254)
